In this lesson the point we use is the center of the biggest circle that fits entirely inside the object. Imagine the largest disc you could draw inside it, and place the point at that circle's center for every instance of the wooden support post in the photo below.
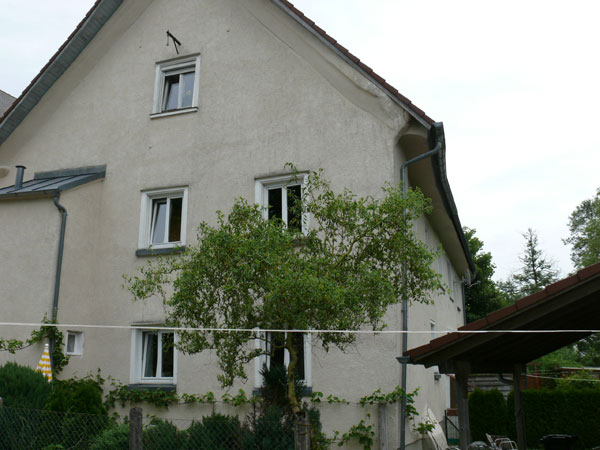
(302, 433)
(381, 419)
(136, 441)
(463, 368)
(519, 416)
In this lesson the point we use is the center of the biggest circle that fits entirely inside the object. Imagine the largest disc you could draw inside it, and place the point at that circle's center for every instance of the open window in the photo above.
(281, 199)
(176, 86)
(276, 354)
(163, 218)
(153, 357)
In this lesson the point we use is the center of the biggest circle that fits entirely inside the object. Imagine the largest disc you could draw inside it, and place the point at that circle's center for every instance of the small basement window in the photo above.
(176, 86)
(163, 218)
(74, 343)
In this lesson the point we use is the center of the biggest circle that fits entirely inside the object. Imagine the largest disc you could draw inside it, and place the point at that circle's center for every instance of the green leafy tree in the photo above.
(483, 295)
(247, 272)
(584, 225)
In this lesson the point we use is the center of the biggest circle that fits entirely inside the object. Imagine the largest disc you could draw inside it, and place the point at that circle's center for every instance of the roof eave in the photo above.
(439, 169)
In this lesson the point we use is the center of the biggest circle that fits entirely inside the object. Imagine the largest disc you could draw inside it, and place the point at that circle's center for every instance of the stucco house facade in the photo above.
(128, 144)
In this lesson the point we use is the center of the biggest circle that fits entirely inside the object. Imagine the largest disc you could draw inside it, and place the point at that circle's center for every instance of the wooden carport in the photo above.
(506, 339)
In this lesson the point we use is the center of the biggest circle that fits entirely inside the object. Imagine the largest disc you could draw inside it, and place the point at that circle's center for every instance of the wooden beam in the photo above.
(463, 368)
(519, 416)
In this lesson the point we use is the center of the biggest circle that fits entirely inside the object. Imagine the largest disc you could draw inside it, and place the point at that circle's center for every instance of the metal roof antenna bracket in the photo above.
(176, 42)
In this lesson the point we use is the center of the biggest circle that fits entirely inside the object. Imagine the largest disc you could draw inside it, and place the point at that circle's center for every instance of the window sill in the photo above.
(306, 392)
(173, 112)
(159, 251)
(152, 387)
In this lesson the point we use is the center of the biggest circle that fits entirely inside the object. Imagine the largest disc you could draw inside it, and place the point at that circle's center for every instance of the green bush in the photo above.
(160, 435)
(217, 431)
(269, 431)
(487, 414)
(22, 387)
(78, 414)
(76, 396)
(115, 438)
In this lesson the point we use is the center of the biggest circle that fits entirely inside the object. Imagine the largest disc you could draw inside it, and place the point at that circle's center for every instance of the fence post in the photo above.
(302, 433)
(382, 419)
(136, 441)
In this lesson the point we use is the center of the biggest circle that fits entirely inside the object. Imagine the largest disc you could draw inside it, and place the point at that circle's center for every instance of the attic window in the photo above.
(176, 86)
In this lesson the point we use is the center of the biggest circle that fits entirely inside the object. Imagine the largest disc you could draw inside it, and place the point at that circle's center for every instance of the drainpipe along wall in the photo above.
(61, 245)
(436, 133)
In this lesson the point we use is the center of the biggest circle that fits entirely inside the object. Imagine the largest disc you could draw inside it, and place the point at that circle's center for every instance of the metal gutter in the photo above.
(61, 246)
(436, 134)
(94, 20)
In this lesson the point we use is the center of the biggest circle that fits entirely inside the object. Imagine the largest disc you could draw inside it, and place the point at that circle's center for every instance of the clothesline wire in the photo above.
(277, 330)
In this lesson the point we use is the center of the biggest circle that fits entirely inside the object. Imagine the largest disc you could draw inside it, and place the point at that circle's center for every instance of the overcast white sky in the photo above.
(516, 84)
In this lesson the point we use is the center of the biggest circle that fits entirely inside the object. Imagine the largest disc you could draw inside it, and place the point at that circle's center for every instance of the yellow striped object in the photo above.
(44, 364)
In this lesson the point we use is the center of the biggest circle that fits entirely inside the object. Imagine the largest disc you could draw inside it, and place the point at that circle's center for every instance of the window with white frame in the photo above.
(74, 343)
(163, 218)
(272, 344)
(176, 85)
(153, 357)
(281, 198)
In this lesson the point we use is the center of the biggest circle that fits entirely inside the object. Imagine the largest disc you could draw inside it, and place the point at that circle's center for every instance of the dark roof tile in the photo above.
(443, 340)
(379, 79)
(418, 351)
(562, 284)
(589, 271)
(477, 325)
(525, 302)
(500, 314)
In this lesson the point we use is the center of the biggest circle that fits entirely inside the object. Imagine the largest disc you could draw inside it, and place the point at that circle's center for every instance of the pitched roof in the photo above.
(45, 184)
(571, 305)
(6, 100)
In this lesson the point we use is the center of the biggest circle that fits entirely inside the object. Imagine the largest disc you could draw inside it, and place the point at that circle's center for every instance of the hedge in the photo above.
(487, 414)
(553, 411)
(547, 411)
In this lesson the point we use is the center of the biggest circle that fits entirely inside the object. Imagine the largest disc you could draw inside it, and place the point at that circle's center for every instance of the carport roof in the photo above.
(566, 311)
(45, 184)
